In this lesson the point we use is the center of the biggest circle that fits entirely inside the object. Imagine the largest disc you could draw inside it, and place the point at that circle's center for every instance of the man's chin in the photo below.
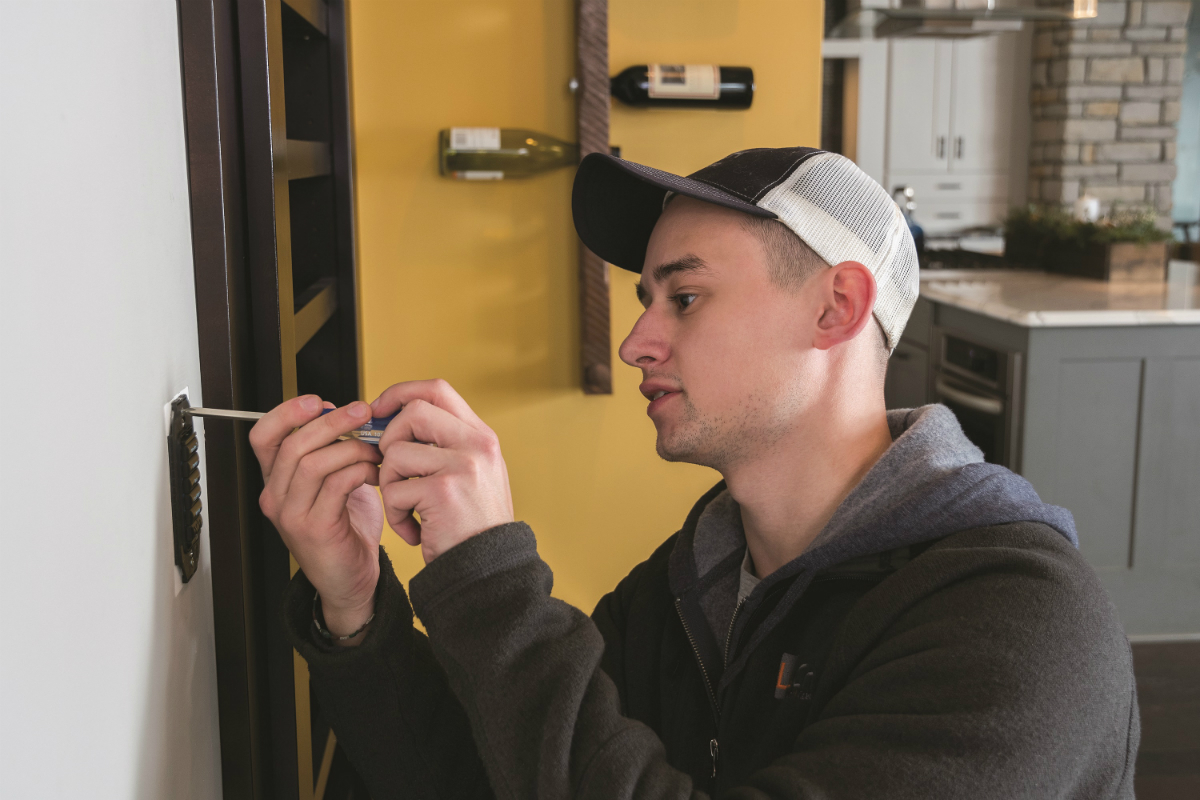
(676, 452)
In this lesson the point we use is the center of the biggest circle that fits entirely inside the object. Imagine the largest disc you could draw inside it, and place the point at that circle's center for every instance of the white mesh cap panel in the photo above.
(842, 214)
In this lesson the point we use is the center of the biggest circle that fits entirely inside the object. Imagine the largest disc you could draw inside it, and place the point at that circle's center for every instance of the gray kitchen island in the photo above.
(1091, 391)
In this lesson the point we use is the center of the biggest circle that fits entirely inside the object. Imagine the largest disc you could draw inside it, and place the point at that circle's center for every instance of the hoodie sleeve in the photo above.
(528, 668)
(388, 700)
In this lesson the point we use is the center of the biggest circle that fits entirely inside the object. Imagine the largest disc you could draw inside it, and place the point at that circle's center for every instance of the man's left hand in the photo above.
(461, 484)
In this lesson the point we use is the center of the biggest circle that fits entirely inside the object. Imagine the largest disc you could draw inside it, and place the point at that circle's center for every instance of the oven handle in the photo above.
(987, 405)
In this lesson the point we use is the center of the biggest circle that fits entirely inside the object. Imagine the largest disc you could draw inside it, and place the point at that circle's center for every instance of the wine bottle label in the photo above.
(474, 138)
(685, 81)
(479, 175)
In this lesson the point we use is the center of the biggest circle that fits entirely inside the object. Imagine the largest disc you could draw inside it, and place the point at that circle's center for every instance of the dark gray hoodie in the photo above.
(941, 637)
(930, 483)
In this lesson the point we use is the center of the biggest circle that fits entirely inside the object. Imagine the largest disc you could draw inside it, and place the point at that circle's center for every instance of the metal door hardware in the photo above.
(183, 457)
(958, 147)
(941, 147)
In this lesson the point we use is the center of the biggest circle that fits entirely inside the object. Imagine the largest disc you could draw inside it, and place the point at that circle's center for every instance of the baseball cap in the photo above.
(824, 198)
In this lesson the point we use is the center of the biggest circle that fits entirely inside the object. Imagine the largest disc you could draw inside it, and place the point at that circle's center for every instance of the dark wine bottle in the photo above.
(685, 86)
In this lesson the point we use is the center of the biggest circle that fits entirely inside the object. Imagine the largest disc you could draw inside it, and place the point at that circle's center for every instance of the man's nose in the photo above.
(645, 344)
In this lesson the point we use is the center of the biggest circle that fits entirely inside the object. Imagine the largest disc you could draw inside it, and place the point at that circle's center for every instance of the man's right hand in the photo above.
(320, 498)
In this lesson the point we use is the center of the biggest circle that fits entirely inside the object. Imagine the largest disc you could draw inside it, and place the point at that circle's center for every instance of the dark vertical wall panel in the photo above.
(342, 147)
(269, 261)
(212, 113)
(268, 230)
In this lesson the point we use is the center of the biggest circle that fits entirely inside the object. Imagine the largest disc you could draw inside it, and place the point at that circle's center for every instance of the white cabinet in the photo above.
(981, 97)
(950, 121)
(919, 105)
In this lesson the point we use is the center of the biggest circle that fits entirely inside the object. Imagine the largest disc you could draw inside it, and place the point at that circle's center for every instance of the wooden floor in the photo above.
(1168, 683)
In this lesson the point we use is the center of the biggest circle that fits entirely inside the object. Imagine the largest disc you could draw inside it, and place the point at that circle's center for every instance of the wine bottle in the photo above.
(685, 85)
(492, 154)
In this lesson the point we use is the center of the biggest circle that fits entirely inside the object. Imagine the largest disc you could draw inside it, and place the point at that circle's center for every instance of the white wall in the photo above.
(107, 675)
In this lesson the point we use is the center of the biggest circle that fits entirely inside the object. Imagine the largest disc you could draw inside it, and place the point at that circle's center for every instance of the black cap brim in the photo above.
(616, 203)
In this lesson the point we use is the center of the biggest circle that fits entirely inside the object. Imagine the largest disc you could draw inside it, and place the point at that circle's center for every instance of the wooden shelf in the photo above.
(307, 159)
(313, 309)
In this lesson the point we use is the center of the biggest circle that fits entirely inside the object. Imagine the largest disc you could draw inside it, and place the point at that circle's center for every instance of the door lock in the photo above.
(183, 457)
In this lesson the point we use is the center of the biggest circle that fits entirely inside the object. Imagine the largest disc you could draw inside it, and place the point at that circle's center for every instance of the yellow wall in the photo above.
(475, 282)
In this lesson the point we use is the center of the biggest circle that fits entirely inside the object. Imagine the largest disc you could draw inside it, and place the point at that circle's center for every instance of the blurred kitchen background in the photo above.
(1050, 173)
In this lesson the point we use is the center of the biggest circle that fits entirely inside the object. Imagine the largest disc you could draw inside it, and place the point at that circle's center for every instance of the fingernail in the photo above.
(360, 409)
(310, 403)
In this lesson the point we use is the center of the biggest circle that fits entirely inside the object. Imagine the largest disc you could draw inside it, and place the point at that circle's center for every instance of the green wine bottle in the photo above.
(483, 154)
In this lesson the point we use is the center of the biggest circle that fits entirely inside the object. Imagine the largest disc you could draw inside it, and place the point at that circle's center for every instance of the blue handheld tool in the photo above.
(370, 433)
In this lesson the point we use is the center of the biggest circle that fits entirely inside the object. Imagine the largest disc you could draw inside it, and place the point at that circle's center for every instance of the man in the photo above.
(861, 608)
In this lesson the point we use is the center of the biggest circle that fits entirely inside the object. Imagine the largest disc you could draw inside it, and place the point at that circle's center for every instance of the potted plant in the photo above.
(1126, 245)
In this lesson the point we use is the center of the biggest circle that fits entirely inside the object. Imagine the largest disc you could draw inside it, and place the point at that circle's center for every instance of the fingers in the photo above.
(399, 501)
(436, 392)
(338, 486)
(318, 433)
(314, 470)
(421, 421)
(412, 460)
(408, 529)
(268, 433)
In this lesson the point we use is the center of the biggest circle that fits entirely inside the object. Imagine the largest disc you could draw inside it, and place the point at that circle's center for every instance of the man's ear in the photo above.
(848, 298)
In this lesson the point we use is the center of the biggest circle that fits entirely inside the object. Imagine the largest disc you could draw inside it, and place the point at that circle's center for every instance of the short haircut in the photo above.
(791, 262)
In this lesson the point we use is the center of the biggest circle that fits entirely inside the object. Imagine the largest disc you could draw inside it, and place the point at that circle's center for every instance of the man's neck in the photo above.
(789, 493)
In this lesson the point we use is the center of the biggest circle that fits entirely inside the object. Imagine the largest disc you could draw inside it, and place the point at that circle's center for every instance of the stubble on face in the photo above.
(722, 440)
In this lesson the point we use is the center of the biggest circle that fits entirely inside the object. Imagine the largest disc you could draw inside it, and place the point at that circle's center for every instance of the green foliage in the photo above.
(1127, 225)
(1033, 233)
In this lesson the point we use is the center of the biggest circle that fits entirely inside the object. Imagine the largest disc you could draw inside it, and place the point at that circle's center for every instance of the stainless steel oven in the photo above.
(981, 385)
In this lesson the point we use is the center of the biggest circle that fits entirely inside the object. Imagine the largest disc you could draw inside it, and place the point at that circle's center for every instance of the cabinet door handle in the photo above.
(941, 147)
(958, 147)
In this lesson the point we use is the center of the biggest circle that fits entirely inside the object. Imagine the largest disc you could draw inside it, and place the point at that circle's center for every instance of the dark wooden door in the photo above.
(271, 179)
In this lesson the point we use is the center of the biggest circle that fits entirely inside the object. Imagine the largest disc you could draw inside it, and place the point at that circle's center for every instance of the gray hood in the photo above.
(930, 483)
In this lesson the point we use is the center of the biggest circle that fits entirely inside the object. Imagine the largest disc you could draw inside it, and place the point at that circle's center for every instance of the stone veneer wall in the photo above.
(1105, 100)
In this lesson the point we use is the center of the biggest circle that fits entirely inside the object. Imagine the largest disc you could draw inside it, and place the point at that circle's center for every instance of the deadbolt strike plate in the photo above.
(183, 456)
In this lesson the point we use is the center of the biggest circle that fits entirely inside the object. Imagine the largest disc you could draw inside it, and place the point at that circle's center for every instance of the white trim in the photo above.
(872, 56)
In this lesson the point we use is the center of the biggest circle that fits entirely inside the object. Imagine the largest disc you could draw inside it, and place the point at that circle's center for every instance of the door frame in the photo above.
(232, 71)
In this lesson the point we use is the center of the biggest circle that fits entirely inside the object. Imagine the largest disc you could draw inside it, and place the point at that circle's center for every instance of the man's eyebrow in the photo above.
(688, 263)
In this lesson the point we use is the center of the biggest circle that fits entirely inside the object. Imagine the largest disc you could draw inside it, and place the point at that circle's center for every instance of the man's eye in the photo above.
(684, 300)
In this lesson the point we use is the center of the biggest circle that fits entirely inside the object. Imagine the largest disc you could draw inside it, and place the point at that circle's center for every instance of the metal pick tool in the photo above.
(224, 413)
(370, 433)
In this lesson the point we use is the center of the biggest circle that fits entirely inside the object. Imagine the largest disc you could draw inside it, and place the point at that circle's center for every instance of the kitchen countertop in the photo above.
(1039, 299)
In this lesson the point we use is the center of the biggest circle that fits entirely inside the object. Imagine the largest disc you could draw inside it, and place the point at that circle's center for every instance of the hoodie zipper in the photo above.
(713, 745)
(729, 636)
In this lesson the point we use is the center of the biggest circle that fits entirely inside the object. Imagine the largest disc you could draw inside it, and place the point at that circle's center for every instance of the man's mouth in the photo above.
(655, 390)
(657, 395)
